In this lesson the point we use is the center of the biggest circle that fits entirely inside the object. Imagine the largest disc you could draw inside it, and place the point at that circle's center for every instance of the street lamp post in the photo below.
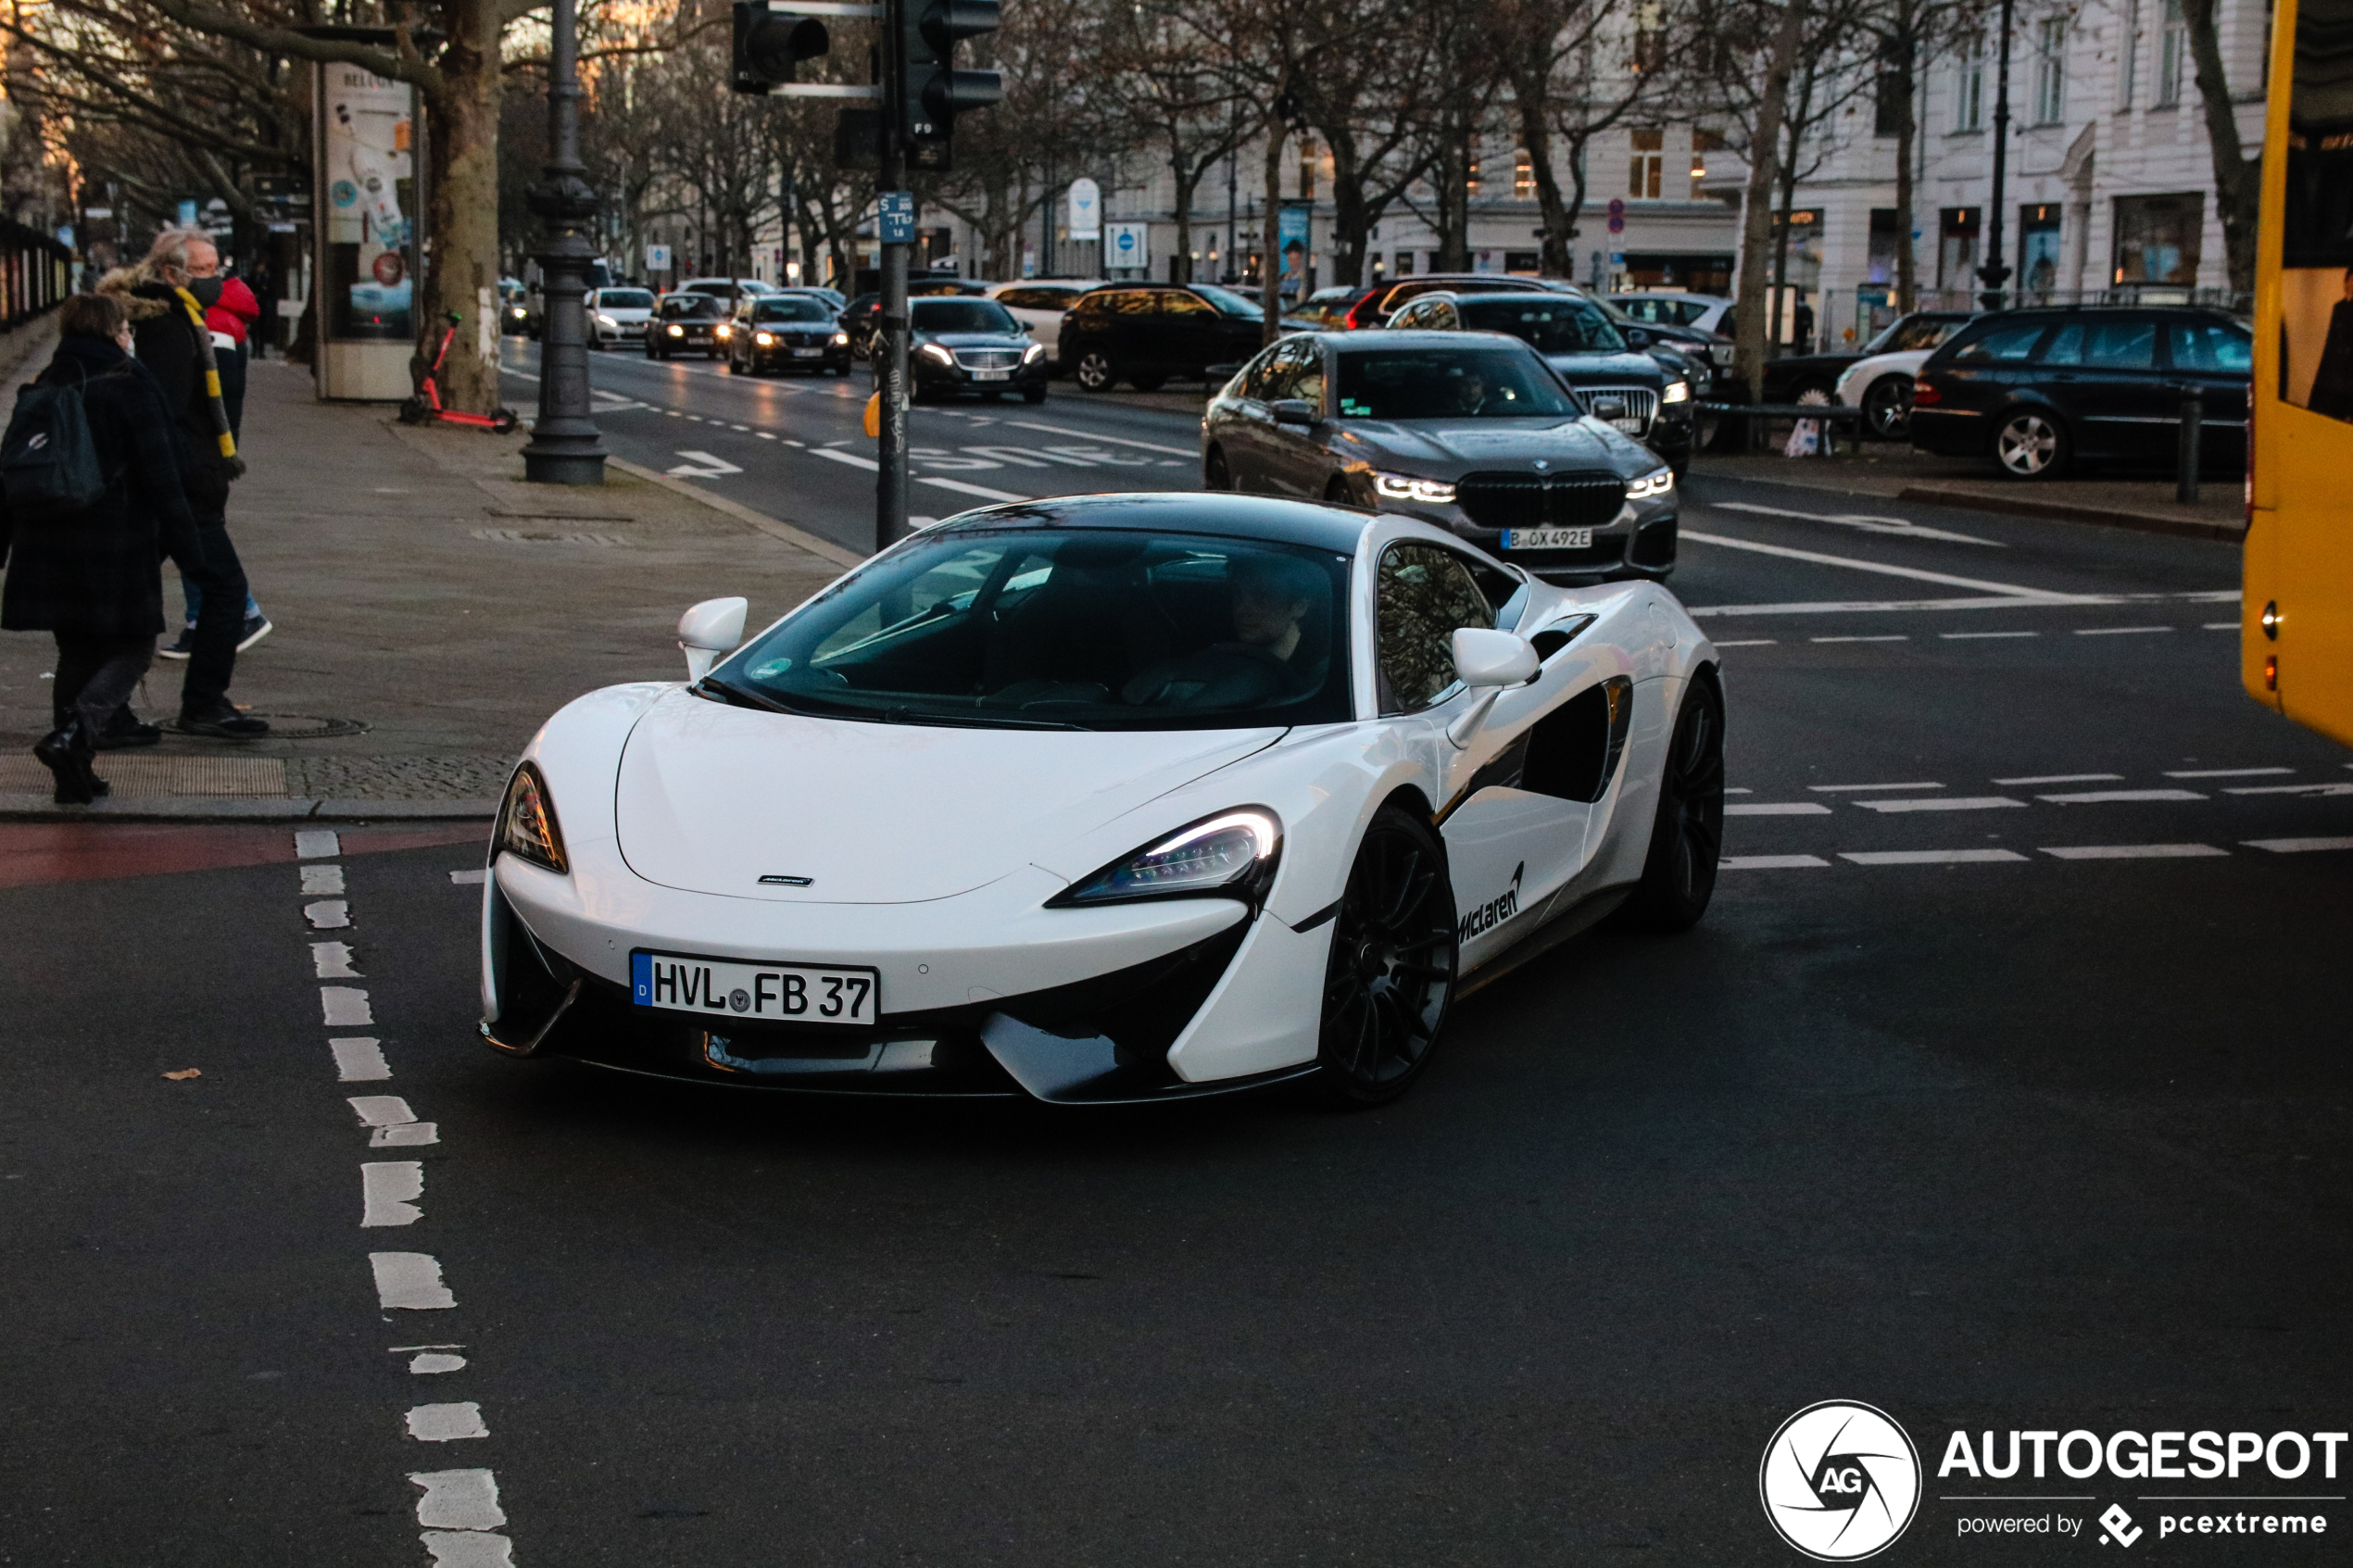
(564, 447)
(1997, 271)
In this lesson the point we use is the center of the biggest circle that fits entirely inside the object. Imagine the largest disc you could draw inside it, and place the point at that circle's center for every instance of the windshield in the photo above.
(1449, 384)
(1916, 333)
(1559, 325)
(1229, 302)
(625, 299)
(684, 306)
(791, 310)
(1093, 629)
(962, 315)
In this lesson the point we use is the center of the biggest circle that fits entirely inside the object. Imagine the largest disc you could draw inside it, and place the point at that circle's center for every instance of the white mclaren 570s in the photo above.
(1103, 798)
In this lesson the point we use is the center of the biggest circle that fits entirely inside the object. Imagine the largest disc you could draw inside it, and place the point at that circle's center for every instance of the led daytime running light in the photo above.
(1405, 487)
(1657, 484)
(527, 823)
(1232, 854)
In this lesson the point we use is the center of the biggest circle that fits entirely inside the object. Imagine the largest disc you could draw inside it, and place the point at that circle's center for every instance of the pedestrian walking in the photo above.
(91, 499)
(230, 310)
(170, 339)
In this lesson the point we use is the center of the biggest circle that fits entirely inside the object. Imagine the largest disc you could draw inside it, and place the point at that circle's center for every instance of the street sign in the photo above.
(1616, 206)
(1618, 259)
(1128, 246)
(1085, 209)
(897, 216)
(1616, 224)
(188, 215)
(657, 258)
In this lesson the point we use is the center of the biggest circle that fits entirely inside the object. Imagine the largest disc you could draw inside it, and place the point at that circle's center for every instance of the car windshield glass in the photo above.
(1550, 326)
(625, 299)
(791, 308)
(1095, 628)
(1914, 332)
(962, 315)
(682, 307)
(1447, 383)
(1229, 302)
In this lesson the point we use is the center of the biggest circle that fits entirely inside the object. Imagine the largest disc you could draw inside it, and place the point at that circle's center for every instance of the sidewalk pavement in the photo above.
(432, 610)
(2133, 500)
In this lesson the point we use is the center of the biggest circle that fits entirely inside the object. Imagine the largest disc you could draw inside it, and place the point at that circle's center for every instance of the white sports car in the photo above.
(1103, 798)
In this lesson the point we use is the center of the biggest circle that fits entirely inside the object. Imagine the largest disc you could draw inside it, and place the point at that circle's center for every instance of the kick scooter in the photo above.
(425, 406)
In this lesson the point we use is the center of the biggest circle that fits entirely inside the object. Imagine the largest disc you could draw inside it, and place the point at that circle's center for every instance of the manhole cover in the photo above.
(289, 726)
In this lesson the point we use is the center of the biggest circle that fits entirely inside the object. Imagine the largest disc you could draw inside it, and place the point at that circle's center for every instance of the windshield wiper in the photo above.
(737, 697)
(973, 721)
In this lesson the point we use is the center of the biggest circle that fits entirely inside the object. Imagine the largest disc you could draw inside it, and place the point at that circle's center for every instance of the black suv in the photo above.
(2037, 390)
(1146, 334)
(1629, 391)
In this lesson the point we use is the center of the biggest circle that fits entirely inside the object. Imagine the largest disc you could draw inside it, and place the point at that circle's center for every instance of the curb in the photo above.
(233, 808)
(2060, 511)
(824, 548)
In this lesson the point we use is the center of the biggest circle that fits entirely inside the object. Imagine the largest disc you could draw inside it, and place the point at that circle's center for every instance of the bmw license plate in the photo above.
(807, 353)
(1548, 538)
(755, 992)
(992, 375)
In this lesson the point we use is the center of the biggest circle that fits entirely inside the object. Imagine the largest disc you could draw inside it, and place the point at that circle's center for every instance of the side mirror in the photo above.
(710, 632)
(1292, 411)
(1638, 337)
(1487, 662)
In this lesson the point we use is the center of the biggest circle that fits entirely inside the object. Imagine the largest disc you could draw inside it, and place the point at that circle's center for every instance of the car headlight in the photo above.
(605, 320)
(842, 337)
(1405, 487)
(678, 332)
(763, 339)
(722, 330)
(1230, 855)
(1677, 392)
(1657, 484)
(527, 823)
(938, 355)
(1034, 353)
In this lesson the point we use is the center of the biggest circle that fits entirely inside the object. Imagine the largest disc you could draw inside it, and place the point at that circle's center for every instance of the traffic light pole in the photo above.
(890, 344)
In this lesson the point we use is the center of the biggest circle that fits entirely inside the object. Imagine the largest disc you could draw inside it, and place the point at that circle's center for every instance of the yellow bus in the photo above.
(2297, 637)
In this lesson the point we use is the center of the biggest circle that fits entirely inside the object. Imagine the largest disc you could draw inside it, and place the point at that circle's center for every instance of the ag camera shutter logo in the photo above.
(1840, 1481)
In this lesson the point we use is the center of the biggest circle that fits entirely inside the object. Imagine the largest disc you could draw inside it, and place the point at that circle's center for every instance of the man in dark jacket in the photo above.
(170, 339)
(95, 580)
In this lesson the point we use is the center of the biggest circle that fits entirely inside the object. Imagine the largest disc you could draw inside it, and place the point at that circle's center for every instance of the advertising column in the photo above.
(367, 234)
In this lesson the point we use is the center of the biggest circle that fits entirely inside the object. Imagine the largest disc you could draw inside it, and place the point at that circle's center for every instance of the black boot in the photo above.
(65, 753)
(124, 730)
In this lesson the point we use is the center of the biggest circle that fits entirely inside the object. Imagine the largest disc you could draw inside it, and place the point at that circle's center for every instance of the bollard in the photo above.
(2193, 421)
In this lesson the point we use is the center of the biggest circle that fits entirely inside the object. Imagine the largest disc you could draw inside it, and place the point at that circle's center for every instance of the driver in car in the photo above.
(1268, 598)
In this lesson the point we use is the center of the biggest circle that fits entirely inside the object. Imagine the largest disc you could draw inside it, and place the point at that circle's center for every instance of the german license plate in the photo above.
(807, 353)
(992, 375)
(755, 992)
(1548, 538)
(1631, 427)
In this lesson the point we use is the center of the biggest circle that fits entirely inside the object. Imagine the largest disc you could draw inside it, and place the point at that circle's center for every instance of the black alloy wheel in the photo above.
(1687, 838)
(1391, 977)
(1887, 407)
(1215, 474)
(1095, 371)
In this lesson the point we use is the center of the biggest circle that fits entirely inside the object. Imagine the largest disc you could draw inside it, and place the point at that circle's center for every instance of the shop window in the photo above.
(1649, 164)
(2156, 238)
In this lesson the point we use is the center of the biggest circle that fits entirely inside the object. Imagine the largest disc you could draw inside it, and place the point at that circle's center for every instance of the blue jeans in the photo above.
(195, 596)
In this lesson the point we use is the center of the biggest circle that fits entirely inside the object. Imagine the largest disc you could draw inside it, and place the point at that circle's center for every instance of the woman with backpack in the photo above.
(89, 503)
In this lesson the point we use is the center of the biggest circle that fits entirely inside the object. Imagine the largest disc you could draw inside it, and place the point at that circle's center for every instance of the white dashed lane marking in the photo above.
(409, 1280)
(447, 1424)
(1893, 638)
(317, 844)
(332, 961)
(2299, 846)
(2062, 778)
(1843, 789)
(1769, 863)
(388, 1191)
(432, 1359)
(2226, 773)
(474, 878)
(343, 1005)
(1929, 857)
(2136, 852)
(458, 1499)
(1943, 803)
(392, 1124)
(2291, 789)
(1981, 636)
(322, 879)
(1778, 808)
(327, 914)
(2114, 797)
(360, 1060)
(2118, 631)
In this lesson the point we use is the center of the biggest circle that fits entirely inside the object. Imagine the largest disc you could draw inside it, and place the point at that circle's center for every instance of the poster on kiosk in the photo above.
(367, 233)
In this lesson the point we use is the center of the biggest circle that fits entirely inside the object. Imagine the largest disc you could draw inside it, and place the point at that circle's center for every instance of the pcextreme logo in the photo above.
(1840, 1481)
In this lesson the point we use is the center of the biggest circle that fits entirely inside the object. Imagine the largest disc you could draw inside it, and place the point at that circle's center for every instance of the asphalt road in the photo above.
(2003, 1088)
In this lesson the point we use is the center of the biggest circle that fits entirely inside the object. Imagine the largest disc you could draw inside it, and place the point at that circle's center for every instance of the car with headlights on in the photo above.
(687, 323)
(617, 315)
(786, 331)
(969, 346)
(1470, 432)
(1103, 798)
(1633, 391)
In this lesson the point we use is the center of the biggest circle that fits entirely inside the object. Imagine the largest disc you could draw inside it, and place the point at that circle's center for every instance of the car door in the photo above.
(2216, 357)
(1507, 846)
(2101, 371)
(1243, 421)
(1292, 460)
(1188, 334)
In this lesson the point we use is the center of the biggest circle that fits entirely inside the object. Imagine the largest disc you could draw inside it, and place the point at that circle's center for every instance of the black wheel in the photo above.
(415, 411)
(1095, 371)
(1887, 407)
(2032, 444)
(505, 420)
(1390, 976)
(1678, 874)
(1215, 474)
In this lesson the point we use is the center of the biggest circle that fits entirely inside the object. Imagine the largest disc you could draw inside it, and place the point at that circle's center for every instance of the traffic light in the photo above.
(936, 91)
(770, 45)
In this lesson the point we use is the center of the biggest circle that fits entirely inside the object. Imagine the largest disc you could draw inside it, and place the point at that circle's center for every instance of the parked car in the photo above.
(617, 315)
(1629, 391)
(1377, 303)
(1880, 383)
(961, 346)
(796, 331)
(724, 287)
(2037, 390)
(687, 323)
(859, 317)
(1794, 377)
(1669, 308)
(1470, 432)
(1146, 334)
(1703, 354)
(1041, 304)
(1326, 309)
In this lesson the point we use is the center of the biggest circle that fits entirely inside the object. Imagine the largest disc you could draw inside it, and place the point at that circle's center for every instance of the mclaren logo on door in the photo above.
(1493, 912)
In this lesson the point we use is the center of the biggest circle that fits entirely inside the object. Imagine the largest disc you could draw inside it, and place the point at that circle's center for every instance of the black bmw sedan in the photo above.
(1471, 431)
(791, 331)
(1629, 390)
(961, 346)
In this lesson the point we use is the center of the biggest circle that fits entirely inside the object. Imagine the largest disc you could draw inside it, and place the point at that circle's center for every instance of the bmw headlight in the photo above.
(1230, 855)
(1677, 392)
(763, 339)
(937, 355)
(527, 823)
(1034, 353)
(1405, 487)
(1657, 484)
(841, 338)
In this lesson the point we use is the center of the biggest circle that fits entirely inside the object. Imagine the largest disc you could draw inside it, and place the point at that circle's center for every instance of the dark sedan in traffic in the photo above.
(1472, 431)
(963, 345)
(795, 332)
(2037, 390)
(687, 323)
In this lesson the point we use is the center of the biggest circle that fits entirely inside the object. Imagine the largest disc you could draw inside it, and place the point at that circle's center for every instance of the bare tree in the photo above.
(1157, 82)
(2238, 185)
(1576, 68)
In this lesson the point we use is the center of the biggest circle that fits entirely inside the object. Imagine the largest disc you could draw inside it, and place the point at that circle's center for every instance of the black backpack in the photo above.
(49, 467)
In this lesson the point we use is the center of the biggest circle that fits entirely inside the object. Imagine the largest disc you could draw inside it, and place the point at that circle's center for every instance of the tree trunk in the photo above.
(1270, 259)
(1555, 260)
(1907, 267)
(2237, 186)
(461, 141)
(1351, 219)
(1756, 210)
(1187, 178)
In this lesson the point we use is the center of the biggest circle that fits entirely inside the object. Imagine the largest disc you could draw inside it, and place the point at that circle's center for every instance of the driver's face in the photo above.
(1261, 619)
(1474, 391)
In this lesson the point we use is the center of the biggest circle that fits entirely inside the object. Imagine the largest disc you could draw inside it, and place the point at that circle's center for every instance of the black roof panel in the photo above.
(1234, 517)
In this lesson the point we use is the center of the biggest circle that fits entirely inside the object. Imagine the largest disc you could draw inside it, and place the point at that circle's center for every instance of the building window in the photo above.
(1703, 142)
(1308, 168)
(1888, 93)
(1649, 163)
(1470, 174)
(2172, 55)
(2038, 247)
(2156, 238)
(1956, 248)
(2129, 66)
(1969, 88)
(1649, 38)
(2050, 70)
(1523, 175)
